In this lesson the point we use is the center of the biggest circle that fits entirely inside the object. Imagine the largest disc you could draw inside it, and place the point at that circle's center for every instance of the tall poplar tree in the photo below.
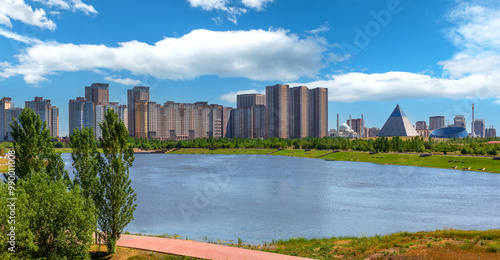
(117, 202)
(86, 161)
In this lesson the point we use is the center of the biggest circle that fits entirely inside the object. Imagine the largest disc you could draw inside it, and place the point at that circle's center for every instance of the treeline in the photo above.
(477, 146)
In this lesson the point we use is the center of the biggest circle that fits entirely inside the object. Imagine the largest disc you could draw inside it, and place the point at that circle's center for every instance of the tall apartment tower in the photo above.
(137, 95)
(356, 125)
(54, 119)
(141, 119)
(249, 119)
(479, 128)
(277, 111)
(44, 110)
(436, 122)
(97, 93)
(318, 112)
(81, 114)
(298, 124)
(5, 104)
(459, 121)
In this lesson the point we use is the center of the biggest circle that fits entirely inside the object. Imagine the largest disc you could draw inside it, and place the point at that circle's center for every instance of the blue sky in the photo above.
(431, 57)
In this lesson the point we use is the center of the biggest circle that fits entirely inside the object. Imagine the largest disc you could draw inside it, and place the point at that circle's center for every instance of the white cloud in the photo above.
(231, 96)
(256, 55)
(19, 10)
(125, 81)
(391, 86)
(73, 5)
(17, 37)
(233, 8)
(256, 4)
(322, 29)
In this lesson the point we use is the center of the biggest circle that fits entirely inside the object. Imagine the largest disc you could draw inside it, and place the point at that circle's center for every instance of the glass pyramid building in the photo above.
(398, 125)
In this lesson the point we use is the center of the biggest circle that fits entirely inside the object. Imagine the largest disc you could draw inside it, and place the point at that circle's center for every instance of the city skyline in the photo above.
(434, 58)
(102, 101)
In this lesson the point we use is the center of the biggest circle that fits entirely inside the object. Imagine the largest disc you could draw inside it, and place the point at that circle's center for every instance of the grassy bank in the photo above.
(122, 253)
(435, 161)
(440, 244)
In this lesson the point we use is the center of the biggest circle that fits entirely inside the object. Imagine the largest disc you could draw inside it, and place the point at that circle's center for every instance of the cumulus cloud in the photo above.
(256, 55)
(19, 10)
(232, 8)
(322, 29)
(125, 81)
(73, 5)
(231, 96)
(393, 86)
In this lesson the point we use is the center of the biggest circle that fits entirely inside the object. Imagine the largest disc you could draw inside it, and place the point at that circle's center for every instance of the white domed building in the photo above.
(346, 131)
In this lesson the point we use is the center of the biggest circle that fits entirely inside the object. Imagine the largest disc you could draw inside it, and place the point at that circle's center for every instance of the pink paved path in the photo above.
(197, 249)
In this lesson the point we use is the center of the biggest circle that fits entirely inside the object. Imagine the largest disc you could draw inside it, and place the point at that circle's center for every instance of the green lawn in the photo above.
(436, 161)
(222, 151)
(301, 153)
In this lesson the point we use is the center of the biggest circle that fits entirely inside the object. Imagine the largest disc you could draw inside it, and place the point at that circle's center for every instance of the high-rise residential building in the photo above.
(318, 112)
(5, 104)
(479, 128)
(490, 132)
(122, 111)
(141, 119)
(421, 125)
(298, 123)
(227, 122)
(373, 131)
(249, 117)
(277, 111)
(54, 121)
(81, 114)
(356, 125)
(97, 93)
(459, 121)
(137, 95)
(11, 115)
(436, 122)
(44, 110)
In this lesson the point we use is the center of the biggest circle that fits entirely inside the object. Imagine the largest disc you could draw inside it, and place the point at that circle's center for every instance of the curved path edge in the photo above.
(197, 249)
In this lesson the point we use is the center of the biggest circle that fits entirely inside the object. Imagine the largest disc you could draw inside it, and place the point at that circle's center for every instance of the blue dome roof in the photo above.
(450, 132)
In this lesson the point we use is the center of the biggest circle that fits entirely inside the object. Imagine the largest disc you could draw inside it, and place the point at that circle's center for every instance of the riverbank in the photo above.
(439, 244)
(457, 162)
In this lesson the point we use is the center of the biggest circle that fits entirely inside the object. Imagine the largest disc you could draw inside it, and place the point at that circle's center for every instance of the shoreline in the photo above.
(462, 162)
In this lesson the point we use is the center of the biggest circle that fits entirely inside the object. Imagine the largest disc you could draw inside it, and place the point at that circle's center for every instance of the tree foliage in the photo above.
(86, 161)
(116, 205)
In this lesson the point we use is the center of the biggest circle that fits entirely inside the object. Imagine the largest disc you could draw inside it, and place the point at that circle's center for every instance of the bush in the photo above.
(492, 247)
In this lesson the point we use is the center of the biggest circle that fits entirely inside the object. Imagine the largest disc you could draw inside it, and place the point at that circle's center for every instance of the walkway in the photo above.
(197, 249)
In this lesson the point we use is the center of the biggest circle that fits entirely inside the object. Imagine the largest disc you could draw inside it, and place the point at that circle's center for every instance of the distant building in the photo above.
(436, 122)
(373, 131)
(490, 132)
(97, 93)
(5, 104)
(421, 125)
(298, 112)
(45, 111)
(449, 132)
(81, 114)
(479, 128)
(249, 119)
(277, 111)
(318, 112)
(459, 121)
(11, 115)
(398, 125)
(134, 96)
(356, 125)
(423, 132)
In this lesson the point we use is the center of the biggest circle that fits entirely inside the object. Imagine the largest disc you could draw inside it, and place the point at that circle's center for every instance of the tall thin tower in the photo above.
(362, 126)
(337, 122)
(472, 124)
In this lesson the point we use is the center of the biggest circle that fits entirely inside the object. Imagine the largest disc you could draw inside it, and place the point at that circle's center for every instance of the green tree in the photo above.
(86, 161)
(61, 220)
(32, 143)
(116, 205)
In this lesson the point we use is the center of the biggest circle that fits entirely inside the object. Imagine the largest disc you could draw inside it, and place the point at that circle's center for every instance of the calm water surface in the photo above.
(260, 198)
